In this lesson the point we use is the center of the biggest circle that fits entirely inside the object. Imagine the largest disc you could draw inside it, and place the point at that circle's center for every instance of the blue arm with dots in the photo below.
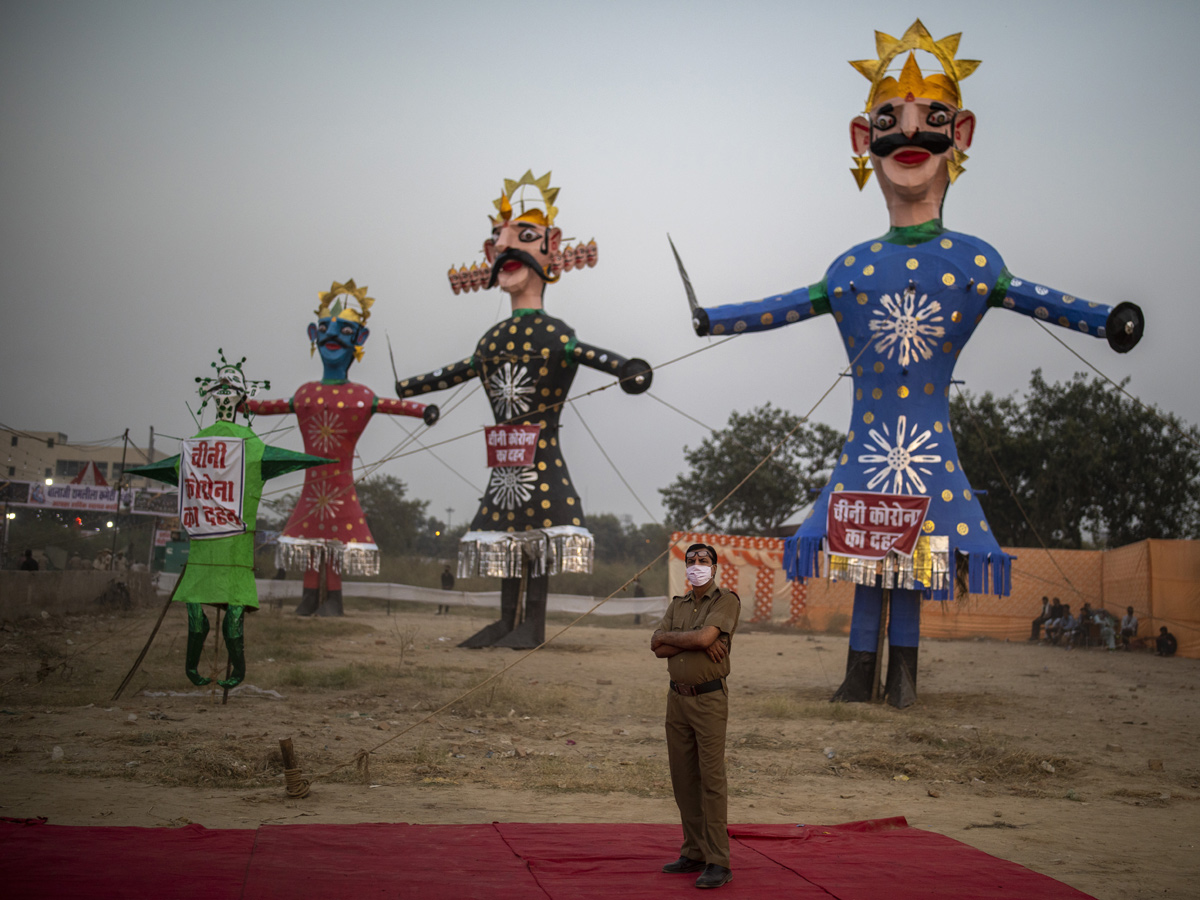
(762, 315)
(1122, 325)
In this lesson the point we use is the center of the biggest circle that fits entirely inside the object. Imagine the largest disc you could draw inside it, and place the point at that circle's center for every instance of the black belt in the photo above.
(690, 690)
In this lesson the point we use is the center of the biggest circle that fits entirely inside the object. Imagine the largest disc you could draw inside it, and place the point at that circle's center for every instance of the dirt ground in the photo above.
(1083, 765)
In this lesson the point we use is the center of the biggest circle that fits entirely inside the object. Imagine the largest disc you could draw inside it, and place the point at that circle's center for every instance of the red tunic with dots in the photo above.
(328, 523)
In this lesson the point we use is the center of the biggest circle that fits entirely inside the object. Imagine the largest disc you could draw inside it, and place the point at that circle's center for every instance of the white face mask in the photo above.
(698, 575)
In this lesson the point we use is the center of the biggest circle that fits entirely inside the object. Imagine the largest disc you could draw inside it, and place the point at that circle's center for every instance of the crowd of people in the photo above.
(1094, 627)
(104, 561)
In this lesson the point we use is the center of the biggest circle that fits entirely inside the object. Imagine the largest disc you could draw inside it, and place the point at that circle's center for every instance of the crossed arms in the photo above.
(667, 643)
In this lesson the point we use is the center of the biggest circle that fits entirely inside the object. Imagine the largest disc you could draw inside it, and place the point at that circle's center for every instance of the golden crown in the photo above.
(336, 309)
(937, 86)
(529, 212)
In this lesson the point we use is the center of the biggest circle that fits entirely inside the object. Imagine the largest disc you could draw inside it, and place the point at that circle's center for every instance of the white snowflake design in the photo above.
(326, 431)
(509, 387)
(898, 459)
(511, 485)
(907, 324)
(325, 505)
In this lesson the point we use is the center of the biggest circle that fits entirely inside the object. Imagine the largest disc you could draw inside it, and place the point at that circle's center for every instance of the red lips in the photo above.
(910, 157)
(511, 266)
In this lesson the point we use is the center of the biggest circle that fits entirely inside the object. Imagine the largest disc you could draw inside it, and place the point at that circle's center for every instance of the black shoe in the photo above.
(714, 876)
(683, 865)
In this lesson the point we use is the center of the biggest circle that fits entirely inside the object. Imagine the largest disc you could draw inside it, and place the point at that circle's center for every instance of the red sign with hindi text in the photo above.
(511, 445)
(867, 525)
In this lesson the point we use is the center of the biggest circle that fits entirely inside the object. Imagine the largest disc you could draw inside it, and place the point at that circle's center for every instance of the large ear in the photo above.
(312, 331)
(964, 129)
(489, 250)
(361, 338)
(860, 136)
(555, 239)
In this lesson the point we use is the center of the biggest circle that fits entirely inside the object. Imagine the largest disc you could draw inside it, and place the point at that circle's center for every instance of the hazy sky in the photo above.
(181, 177)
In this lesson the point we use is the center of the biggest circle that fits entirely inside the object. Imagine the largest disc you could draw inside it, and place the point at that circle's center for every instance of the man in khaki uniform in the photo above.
(695, 638)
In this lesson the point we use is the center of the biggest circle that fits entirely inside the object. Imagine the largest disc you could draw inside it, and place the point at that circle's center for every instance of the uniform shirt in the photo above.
(715, 607)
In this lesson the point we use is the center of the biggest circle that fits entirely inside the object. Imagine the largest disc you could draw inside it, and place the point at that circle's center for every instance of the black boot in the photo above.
(308, 602)
(901, 687)
(510, 590)
(197, 632)
(532, 631)
(860, 678)
(235, 645)
(332, 605)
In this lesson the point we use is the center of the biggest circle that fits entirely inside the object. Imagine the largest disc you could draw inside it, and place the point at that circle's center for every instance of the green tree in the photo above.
(396, 522)
(1086, 463)
(776, 491)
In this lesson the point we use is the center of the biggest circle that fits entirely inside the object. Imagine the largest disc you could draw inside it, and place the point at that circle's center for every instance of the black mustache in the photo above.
(514, 253)
(924, 140)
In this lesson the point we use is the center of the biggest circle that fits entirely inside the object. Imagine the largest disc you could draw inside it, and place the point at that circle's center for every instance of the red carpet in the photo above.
(882, 858)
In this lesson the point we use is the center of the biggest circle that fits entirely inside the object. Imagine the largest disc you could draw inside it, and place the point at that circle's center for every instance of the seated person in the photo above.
(1165, 643)
(1056, 628)
(1042, 618)
(1129, 626)
(1078, 636)
(1108, 628)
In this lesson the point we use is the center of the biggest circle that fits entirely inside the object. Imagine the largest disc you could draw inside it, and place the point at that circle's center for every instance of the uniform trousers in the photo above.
(696, 752)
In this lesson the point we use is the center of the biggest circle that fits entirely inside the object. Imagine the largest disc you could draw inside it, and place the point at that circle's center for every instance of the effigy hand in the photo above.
(635, 375)
(1124, 327)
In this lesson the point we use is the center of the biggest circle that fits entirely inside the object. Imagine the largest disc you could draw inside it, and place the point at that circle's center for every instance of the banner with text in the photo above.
(866, 525)
(86, 497)
(212, 478)
(511, 445)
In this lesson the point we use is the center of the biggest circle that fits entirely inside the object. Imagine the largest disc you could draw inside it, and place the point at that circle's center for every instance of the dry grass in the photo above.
(782, 706)
(980, 756)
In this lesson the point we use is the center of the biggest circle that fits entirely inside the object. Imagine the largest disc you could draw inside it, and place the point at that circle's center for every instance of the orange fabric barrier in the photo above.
(1159, 579)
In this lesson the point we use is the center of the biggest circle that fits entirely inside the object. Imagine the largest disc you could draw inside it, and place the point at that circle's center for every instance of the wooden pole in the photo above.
(141, 656)
(877, 676)
(112, 554)
(297, 787)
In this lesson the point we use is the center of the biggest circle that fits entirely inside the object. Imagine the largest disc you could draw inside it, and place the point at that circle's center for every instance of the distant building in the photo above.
(37, 455)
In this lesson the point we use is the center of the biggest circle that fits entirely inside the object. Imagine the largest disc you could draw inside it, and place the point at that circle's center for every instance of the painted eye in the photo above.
(529, 235)
(938, 118)
(347, 330)
(884, 121)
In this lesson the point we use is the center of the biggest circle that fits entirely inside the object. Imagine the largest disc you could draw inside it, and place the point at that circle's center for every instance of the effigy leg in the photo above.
(332, 604)
(904, 631)
(197, 632)
(532, 631)
(862, 660)
(235, 644)
(510, 595)
(311, 597)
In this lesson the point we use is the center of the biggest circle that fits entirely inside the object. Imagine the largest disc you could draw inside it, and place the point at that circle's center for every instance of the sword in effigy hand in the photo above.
(699, 316)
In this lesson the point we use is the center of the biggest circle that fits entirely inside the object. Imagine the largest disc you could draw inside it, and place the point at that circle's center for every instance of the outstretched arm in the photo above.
(438, 379)
(762, 315)
(1122, 324)
(267, 407)
(389, 407)
(635, 374)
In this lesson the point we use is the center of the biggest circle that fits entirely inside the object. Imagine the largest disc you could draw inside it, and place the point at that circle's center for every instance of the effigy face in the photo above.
(519, 253)
(911, 141)
(336, 339)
